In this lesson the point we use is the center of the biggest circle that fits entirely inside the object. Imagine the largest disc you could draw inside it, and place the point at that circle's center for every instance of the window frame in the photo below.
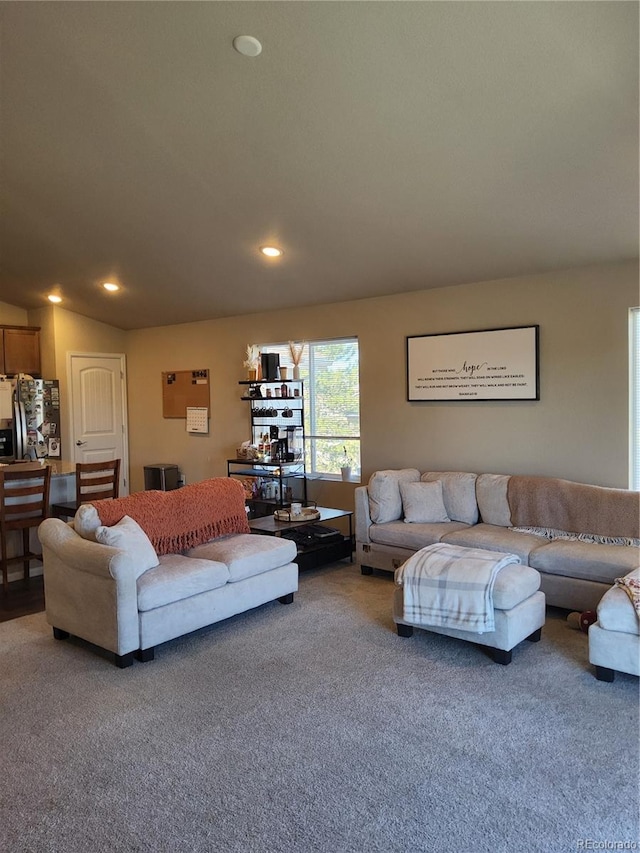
(634, 398)
(311, 414)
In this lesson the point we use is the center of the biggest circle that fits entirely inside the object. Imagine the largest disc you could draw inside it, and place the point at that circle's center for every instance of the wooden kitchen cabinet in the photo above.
(20, 350)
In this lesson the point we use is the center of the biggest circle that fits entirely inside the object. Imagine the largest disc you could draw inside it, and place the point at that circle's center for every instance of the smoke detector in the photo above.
(247, 45)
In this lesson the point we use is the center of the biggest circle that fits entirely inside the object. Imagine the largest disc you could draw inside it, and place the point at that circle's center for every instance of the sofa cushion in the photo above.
(459, 493)
(617, 613)
(423, 503)
(491, 494)
(600, 563)
(494, 538)
(247, 554)
(411, 536)
(385, 502)
(178, 577)
(127, 535)
(514, 583)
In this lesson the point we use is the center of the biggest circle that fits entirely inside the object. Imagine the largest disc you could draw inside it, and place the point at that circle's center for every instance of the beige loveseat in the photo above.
(131, 573)
(579, 537)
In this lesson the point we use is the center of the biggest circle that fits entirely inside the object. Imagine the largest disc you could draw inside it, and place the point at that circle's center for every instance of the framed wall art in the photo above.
(493, 364)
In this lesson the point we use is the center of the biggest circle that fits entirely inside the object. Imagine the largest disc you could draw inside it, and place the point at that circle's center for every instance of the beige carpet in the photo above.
(313, 727)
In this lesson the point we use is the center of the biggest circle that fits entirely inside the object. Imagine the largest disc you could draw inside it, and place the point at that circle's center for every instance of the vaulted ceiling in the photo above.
(385, 146)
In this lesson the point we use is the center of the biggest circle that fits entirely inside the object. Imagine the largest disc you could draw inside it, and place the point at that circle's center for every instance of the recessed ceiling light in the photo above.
(110, 286)
(53, 298)
(271, 251)
(247, 45)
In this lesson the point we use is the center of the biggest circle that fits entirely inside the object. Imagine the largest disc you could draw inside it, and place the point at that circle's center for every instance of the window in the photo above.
(330, 370)
(634, 398)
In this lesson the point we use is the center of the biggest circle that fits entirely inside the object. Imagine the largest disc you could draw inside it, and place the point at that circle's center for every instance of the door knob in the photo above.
(80, 443)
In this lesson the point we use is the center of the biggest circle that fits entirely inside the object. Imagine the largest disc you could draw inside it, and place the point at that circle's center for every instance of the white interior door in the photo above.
(98, 410)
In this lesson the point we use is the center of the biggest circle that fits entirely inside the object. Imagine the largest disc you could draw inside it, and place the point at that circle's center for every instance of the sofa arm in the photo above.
(83, 555)
(363, 519)
(90, 589)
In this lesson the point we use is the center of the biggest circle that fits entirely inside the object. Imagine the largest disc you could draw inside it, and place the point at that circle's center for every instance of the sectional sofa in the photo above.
(579, 537)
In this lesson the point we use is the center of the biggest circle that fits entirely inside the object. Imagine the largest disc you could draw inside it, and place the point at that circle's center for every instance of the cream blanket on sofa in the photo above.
(449, 586)
(573, 507)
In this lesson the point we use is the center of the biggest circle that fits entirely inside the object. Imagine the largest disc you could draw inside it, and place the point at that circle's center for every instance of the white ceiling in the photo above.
(386, 146)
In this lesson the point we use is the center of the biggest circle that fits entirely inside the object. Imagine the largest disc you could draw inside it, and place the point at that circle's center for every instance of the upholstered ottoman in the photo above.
(519, 612)
(614, 640)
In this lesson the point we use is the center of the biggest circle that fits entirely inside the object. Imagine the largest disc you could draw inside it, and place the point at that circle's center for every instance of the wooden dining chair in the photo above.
(24, 502)
(94, 481)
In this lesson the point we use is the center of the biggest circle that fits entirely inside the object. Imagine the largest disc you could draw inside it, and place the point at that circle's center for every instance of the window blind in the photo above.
(331, 373)
(634, 398)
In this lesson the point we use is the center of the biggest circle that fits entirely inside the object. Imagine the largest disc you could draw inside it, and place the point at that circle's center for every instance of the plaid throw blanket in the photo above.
(449, 586)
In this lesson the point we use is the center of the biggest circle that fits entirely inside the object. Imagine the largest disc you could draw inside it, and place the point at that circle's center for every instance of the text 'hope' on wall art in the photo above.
(496, 364)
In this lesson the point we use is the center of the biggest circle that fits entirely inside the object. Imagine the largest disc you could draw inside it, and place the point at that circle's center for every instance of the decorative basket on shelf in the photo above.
(247, 452)
(307, 513)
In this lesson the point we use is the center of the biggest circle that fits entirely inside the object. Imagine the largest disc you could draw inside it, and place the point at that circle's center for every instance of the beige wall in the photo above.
(43, 317)
(74, 333)
(578, 429)
(63, 332)
(10, 315)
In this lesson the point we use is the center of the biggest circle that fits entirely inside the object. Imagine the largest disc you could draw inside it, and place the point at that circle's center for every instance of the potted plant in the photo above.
(252, 361)
(345, 468)
(296, 351)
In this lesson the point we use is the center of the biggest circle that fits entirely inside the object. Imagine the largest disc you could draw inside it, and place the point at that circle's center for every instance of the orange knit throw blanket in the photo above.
(181, 519)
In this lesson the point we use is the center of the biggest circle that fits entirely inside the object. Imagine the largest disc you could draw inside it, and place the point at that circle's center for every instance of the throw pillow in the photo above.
(86, 521)
(458, 493)
(130, 537)
(491, 490)
(385, 503)
(423, 503)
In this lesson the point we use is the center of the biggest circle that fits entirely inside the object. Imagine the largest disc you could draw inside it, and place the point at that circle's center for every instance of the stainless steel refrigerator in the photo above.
(36, 418)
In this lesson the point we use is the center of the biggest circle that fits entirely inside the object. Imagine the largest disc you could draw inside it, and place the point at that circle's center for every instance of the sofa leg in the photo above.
(123, 661)
(603, 673)
(535, 637)
(366, 570)
(286, 599)
(404, 630)
(501, 656)
(146, 655)
(59, 634)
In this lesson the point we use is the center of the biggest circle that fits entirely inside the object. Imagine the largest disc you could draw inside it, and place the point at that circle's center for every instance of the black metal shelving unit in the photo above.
(277, 476)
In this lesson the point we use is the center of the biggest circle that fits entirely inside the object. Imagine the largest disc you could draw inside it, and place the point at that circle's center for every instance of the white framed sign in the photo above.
(493, 364)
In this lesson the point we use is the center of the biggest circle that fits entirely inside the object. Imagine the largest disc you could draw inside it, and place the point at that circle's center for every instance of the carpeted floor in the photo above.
(314, 727)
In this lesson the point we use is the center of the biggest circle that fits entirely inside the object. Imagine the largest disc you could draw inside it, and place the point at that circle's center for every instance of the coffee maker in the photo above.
(279, 451)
